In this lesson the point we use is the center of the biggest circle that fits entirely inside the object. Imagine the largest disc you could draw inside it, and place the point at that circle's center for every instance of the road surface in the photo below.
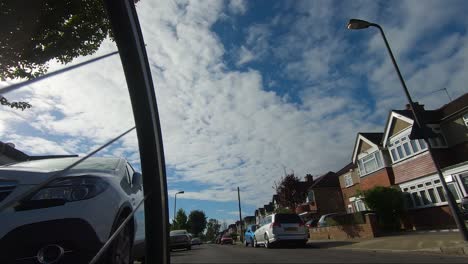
(212, 253)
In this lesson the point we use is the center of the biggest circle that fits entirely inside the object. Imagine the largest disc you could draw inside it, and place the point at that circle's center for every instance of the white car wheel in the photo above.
(121, 249)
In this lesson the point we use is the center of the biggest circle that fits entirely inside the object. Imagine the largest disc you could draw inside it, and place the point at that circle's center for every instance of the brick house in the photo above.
(413, 168)
(373, 161)
(323, 197)
(350, 184)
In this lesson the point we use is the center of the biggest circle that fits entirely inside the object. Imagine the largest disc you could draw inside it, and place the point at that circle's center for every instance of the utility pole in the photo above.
(240, 216)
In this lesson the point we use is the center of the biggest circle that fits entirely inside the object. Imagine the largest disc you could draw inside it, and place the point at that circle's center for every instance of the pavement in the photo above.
(442, 242)
(213, 253)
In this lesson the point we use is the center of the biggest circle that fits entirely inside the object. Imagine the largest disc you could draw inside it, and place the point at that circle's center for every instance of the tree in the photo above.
(17, 105)
(196, 222)
(212, 229)
(180, 221)
(224, 225)
(290, 192)
(35, 32)
(388, 203)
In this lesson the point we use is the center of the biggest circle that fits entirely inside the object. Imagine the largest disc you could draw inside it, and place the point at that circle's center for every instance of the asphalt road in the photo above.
(212, 253)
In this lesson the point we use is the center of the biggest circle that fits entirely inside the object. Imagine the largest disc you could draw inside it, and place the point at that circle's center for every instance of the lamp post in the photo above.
(175, 204)
(420, 131)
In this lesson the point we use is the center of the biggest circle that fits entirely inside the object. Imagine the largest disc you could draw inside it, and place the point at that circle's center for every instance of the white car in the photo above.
(70, 219)
(278, 228)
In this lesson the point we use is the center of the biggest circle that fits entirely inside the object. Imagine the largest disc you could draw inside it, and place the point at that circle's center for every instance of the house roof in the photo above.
(274, 198)
(346, 169)
(375, 137)
(372, 138)
(269, 207)
(330, 179)
(429, 116)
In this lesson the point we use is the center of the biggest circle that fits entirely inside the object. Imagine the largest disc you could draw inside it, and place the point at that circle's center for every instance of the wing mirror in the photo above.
(137, 180)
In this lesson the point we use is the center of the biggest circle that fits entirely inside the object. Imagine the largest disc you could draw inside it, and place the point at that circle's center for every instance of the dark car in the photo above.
(196, 241)
(180, 239)
(249, 235)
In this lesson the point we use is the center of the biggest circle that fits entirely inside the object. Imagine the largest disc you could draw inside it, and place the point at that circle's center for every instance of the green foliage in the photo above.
(17, 105)
(289, 191)
(180, 221)
(387, 203)
(212, 229)
(196, 222)
(35, 32)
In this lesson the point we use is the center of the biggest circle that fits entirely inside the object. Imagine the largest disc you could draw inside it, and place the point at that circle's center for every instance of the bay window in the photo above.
(401, 147)
(427, 192)
(370, 163)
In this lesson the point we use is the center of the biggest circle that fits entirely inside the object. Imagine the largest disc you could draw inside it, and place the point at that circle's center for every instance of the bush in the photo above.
(388, 203)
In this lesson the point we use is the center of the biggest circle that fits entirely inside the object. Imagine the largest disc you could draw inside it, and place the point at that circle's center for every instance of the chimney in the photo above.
(309, 178)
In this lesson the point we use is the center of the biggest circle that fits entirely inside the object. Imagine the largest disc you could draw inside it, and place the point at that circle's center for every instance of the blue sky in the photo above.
(248, 88)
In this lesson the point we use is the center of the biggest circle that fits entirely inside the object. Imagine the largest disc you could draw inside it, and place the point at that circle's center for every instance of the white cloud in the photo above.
(237, 7)
(220, 127)
(245, 56)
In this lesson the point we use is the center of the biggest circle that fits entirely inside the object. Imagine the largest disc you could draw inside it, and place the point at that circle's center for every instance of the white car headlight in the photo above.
(71, 189)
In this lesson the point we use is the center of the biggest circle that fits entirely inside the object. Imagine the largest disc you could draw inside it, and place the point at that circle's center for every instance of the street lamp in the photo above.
(420, 131)
(175, 204)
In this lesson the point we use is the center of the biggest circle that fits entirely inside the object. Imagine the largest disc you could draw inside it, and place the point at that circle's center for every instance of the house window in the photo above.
(348, 180)
(438, 141)
(370, 163)
(401, 147)
(360, 205)
(427, 192)
(465, 119)
(310, 197)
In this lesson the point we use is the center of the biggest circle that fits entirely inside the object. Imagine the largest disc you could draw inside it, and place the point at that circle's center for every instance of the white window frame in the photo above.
(360, 205)
(348, 180)
(465, 119)
(310, 194)
(397, 150)
(361, 163)
(415, 188)
(440, 141)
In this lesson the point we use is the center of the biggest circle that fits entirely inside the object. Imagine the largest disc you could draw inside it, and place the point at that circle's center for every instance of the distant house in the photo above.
(323, 196)
(249, 220)
(350, 184)
(274, 200)
(259, 214)
(373, 161)
(9, 154)
(413, 167)
(232, 229)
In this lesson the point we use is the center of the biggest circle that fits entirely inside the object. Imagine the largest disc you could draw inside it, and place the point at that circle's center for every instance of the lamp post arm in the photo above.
(417, 117)
(175, 206)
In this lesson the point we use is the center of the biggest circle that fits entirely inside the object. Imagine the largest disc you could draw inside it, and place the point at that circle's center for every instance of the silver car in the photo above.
(278, 228)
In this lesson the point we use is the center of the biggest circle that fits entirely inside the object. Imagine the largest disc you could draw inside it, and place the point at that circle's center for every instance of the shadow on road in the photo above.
(330, 244)
(183, 252)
